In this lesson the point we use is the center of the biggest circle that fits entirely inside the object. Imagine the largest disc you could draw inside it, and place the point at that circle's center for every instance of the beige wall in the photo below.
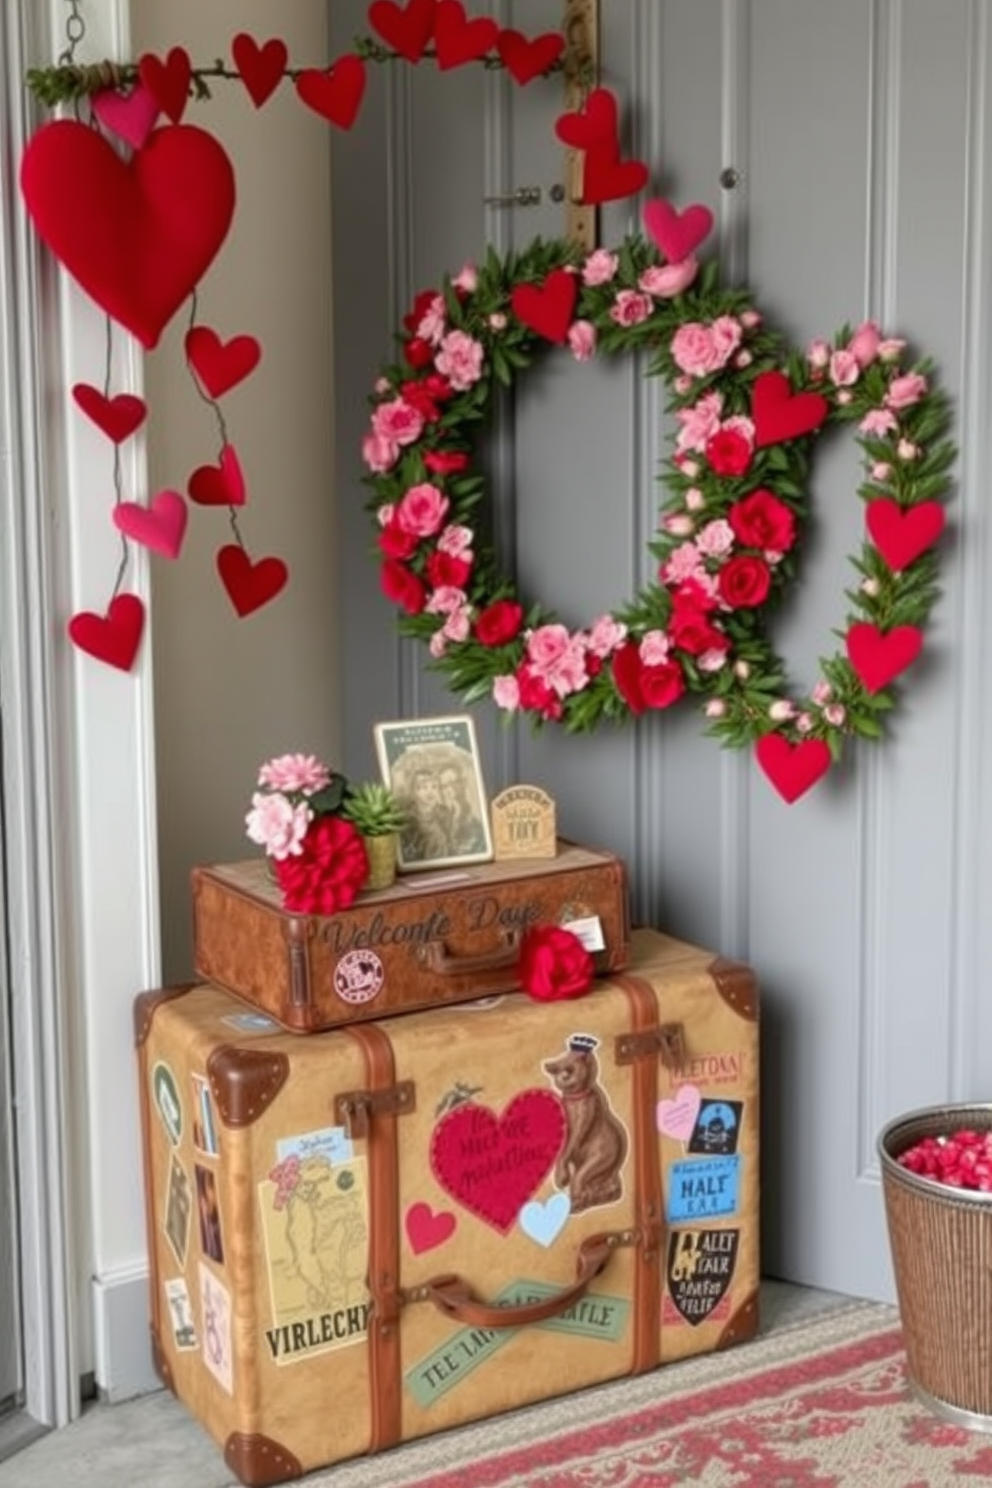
(229, 691)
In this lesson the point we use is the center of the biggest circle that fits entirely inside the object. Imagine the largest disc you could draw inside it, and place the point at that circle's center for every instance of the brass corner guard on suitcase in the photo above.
(383, 1231)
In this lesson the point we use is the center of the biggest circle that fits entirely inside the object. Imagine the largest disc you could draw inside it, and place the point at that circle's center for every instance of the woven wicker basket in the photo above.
(941, 1241)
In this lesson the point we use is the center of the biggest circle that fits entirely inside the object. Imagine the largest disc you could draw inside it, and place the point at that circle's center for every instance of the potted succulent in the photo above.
(374, 810)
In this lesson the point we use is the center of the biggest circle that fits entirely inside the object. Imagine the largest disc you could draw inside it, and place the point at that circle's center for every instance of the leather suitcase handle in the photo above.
(436, 957)
(453, 1296)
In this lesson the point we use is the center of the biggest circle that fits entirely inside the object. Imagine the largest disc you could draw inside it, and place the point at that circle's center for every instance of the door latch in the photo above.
(524, 196)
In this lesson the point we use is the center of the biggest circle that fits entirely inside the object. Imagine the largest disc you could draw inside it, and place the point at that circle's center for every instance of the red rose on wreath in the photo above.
(643, 686)
(762, 521)
(744, 581)
(396, 542)
(691, 631)
(445, 462)
(499, 622)
(403, 587)
(447, 570)
(418, 353)
(535, 693)
(554, 964)
(329, 870)
(729, 452)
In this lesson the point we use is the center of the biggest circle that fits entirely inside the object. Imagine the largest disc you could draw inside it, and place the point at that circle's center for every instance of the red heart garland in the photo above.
(160, 526)
(249, 585)
(878, 656)
(137, 235)
(902, 533)
(114, 637)
(335, 94)
(116, 417)
(261, 67)
(605, 178)
(527, 59)
(220, 365)
(520, 1146)
(677, 234)
(168, 81)
(459, 40)
(407, 29)
(595, 124)
(131, 116)
(792, 768)
(547, 308)
(219, 485)
(779, 413)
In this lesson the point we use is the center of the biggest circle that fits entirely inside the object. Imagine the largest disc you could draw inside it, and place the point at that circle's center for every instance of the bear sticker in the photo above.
(589, 1167)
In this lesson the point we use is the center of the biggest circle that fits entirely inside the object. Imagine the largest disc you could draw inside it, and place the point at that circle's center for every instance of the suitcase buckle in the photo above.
(355, 1109)
(666, 1042)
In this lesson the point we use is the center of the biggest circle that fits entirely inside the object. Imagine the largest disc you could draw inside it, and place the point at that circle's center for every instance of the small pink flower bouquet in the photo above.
(318, 857)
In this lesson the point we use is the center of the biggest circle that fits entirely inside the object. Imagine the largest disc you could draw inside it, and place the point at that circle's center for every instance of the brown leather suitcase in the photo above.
(428, 940)
(385, 1230)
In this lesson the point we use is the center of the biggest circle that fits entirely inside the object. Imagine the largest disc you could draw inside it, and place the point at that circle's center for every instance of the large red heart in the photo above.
(250, 585)
(160, 526)
(605, 178)
(261, 67)
(407, 29)
(220, 365)
(902, 533)
(525, 59)
(547, 308)
(131, 116)
(114, 637)
(137, 235)
(493, 1164)
(425, 1229)
(779, 413)
(337, 93)
(595, 124)
(168, 81)
(459, 40)
(878, 655)
(677, 234)
(792, 768)
(116, 417)
(222, 484)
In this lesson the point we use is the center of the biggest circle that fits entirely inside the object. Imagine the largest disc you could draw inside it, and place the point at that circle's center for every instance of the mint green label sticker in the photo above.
(165, 1093)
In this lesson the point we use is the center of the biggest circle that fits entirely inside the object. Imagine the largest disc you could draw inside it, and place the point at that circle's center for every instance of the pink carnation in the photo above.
(295, 772)
(456, 541)
(422, 510)
(600, 267)
(398, 421)
(698, 423)
(379, 453)
(506, 693)
(630, 307)
(582, 340)
(606, 635)
(557, 658)
(460, 360)
(431, 325)
(878, 421)
(277, 825)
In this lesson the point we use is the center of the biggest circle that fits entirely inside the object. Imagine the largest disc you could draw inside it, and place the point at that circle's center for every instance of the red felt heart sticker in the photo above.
(605, 178)
(677, 234)
(779, 413)
(159, 527)
(136, 235)
(220, 365)
(426, 1230)
(131, 116)
(250, 585)
(336, 95)
(117, 417)
(261, 67)
(528, 58)
(459, 40)
(114, 637)
(219, 485)
(593, 125)
(902, 533)
(168, 81)
(547, 308)
(406, 28)
(878, 656)
(792, 768)
(491, 1164)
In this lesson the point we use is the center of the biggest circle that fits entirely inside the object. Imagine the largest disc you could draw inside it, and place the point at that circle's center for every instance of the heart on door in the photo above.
(492, 1164)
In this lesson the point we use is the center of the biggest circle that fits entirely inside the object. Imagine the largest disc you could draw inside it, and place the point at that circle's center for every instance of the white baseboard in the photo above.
(121, 1336)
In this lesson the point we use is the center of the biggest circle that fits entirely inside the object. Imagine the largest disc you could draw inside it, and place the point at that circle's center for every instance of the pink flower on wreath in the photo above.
(865, 342)
(665, 281)
(881, 471)
(891, 349)
(818, 354)
(557, 658)
(422, 510)
(455, 628)
(582, 340)
(467, 279)
(654, 647)
(683, 563)
(822, 693)
(715, 539)
(445, 600)
(605, 635)
(396, 420)
(277, 825)
(906, 390)
(506, 693)
(460, 359)
(379, 453)
(430, 327)
(295, 772)
(600, 268)
(878, 421)
(727, 334)
(835, 713)
(692, 349)
(694, 499)
(631, 307)
(845, 369)
(698, 422)
(679, 524)
(456, 541)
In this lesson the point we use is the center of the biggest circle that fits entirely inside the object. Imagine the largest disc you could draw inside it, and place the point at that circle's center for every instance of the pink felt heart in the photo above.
(250, 585)
(526, 59)
(426, 1230)
(137, 235)
(677, 1118)
(792, 768)
(114, 637)
(593, 125)
(117, 417)
(407, 29)
(336, 95)
(459, 40)
(492, 1164)
(261, 67)
(779, 413)
(902, 533)
(547, 308)
(222, 484)
(168, 81)
(605, 178)
(220, 365)
(878, 656)
(677, 234)
(131, 116)
(159, 526)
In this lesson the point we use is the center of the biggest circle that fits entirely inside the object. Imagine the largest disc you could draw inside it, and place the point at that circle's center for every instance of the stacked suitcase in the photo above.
(398, 1223)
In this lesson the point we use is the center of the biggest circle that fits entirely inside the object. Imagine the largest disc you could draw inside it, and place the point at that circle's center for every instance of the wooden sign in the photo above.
(523, 819)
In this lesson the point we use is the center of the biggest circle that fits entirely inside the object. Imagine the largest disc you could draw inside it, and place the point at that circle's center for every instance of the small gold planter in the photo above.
(381, 852)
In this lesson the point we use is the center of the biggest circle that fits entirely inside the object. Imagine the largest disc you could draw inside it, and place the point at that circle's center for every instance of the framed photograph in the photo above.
(432, 767)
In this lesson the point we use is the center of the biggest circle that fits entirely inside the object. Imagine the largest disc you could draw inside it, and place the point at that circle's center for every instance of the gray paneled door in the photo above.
(844, 149)
(10, 1351)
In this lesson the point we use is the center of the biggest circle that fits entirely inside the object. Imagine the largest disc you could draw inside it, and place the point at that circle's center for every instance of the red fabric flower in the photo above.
(761, 520)
(445, 462)
(499, 622)
(421, 305)
(729, 452)
(419, 396)
(328, 873)
(744, 582)
(691, 631)
(445, 568)
(437, 386)
(537, 695)
(418, 352)
(641, 686)
(403, 587)
(554, 964)
(396, 543)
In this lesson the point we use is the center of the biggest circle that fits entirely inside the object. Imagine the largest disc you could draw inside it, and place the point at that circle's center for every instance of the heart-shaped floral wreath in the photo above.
(748, 416)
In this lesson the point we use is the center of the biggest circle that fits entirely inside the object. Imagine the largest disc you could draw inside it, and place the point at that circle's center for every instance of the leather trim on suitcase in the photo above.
(743, 1324)
(244, 1082)
(737, 985)
(145, 1004)
(259, 1461)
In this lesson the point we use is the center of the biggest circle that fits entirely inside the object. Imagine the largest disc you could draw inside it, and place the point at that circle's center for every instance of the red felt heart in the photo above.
(459, 40)
(219, 485)
(131, 116)
(136, 235)
(491, 1164)
(595, 124)
(250, 585)
(426, 1230)
(116, 417)
(160, 526)
(407, 29)
(605, 178)
(114, 637)
(525, 59)
(261, 67)
(547, 308)
(168, 81)
(220, 365)
(902, 533)
(792, 768)
(335, 94)
(781, 414)
(878, 656)
(677, 234)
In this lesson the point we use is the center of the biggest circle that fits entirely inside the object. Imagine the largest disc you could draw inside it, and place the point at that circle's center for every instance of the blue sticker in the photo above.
(251, 1023)
(704, 1188)
(332, 1143)
(718, 1127)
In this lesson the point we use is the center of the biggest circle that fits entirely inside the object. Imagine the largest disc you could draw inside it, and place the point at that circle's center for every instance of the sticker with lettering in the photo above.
(165, 1093)
(178, 1204)
(491, 1163)
(358, 977)
(251, 1022)
(215, 1311)
(703, 1188)
(711, 1069)
(718, 1127)
(427, 1228)
(180, 1313)
(316, 1234)
(329, 1142)
(677, 1117)
(590, 1165)
(204, 1125)
(208, 1208)
(700, 1269)
(585, 925)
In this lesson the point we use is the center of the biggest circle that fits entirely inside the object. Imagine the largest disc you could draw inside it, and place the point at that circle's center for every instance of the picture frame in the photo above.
(432, 766)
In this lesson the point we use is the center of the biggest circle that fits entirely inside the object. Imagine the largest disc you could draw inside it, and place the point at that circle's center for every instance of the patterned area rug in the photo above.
(821, 1404)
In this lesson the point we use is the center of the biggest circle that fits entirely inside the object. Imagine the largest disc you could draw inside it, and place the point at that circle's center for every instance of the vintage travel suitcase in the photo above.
(379, 1232)
(428, 940)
